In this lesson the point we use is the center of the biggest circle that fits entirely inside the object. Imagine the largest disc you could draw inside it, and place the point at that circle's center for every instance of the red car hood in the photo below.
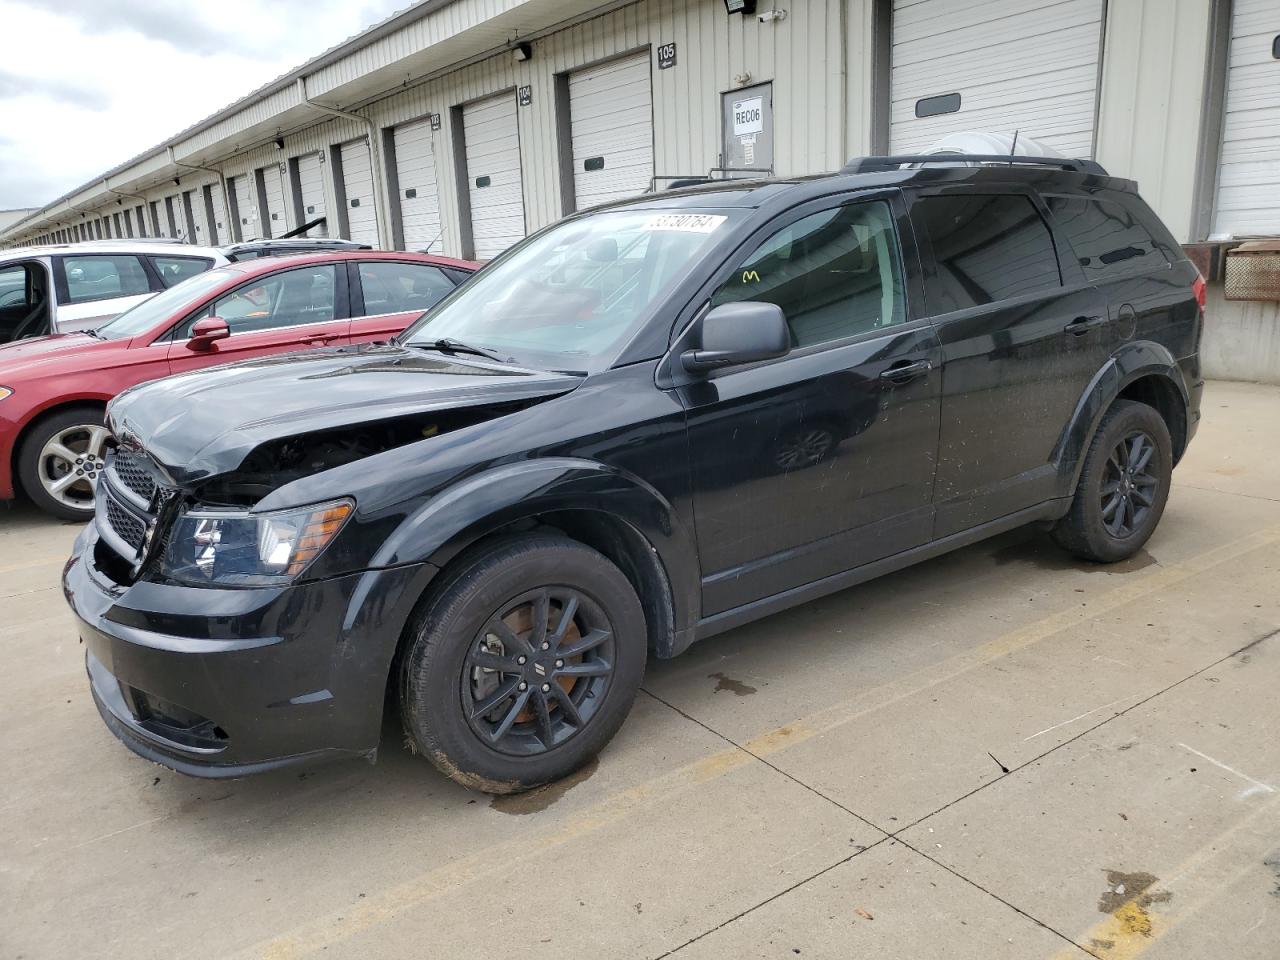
(71, 349)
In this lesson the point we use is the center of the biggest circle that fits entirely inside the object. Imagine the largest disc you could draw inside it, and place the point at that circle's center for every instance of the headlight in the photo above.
(5, 392)
(236, 548)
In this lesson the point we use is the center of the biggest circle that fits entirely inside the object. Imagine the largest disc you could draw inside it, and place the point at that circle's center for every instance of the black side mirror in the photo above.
(742, 332)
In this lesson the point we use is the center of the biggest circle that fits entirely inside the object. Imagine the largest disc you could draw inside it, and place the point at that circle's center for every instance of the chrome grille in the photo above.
(134, 475)
(125, 525)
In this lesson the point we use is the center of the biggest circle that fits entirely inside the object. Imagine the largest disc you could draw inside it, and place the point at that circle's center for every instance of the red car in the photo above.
(53, 389)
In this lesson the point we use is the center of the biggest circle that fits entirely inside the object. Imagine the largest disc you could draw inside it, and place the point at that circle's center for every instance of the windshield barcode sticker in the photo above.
(687, 222)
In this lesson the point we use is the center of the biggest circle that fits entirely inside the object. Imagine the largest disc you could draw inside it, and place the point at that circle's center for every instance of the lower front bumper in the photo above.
(222, 683)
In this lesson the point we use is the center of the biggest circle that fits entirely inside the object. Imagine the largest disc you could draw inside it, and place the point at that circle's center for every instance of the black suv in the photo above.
(646, 424)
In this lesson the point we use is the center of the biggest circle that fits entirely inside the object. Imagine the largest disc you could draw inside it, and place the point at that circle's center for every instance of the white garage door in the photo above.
(246, 209)
(1249, 167)
(357, 178)
(311, 186)
(416, 179)
(221, 219)
(1001, 66)
(193, 204)
(493, 170)
(277, 221)
(611, 126)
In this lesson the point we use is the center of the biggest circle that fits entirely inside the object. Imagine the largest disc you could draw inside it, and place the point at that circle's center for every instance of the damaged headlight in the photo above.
(235, 548)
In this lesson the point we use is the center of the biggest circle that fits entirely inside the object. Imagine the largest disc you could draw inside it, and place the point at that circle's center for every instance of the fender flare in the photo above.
(1131, 362)
(462, 514)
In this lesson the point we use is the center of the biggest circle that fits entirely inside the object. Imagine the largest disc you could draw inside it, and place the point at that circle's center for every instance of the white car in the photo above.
(79, 286)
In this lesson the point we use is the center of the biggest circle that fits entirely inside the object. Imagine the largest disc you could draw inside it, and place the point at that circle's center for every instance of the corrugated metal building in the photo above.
(461, 125)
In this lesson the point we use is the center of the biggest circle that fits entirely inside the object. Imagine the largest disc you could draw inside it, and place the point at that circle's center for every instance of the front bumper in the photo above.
(221, 682)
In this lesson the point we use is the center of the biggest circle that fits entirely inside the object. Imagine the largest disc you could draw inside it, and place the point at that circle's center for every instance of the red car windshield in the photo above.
(171, 304)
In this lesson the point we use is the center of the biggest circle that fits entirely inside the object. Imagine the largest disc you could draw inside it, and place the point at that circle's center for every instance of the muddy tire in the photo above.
(1123, 486)
(523, 664)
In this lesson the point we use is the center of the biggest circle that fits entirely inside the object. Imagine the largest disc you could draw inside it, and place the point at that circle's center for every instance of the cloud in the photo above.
(52, 88)
(179, 25)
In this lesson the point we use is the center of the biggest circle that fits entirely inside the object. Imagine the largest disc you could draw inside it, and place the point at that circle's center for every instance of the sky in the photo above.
(88, 84)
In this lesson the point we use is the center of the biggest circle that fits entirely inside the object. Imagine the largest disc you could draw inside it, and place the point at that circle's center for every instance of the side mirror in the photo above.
(206, 331)
(742, 332)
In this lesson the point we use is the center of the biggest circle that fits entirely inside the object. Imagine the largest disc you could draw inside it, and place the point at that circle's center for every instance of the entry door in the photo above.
(823, 460)
(357, 179)
(416, 178)
(611, 129)
(311, 186)
(274, 193)
(492, 141)
(1022, 333)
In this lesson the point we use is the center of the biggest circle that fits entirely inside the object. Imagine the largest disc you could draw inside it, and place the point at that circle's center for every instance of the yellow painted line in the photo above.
(318, 935)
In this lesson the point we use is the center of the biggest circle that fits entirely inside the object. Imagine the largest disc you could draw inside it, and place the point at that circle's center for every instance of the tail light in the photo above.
(1198, 289)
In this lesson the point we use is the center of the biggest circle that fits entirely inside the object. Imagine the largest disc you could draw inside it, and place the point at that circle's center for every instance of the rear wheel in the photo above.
(60, 461)
(524, 666)
(1123, 486)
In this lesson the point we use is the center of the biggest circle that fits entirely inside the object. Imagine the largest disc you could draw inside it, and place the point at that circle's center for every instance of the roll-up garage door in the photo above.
(277, 219)
(1000, 66)
(174, 216)
(246, 209)
(357, 180)
(611, 127)
(197, 222)
(311, 187)
(221, 219)
(492, 141)
(416, 180)
(1248, 202)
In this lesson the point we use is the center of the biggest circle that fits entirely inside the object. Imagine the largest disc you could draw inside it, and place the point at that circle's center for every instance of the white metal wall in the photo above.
(1019, 65)
(1248, 200)
(357, 180)
(494, 175)
(611, 128)
(416, 180)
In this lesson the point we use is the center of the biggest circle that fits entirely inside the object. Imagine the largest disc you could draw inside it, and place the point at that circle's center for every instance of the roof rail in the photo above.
(882, 164)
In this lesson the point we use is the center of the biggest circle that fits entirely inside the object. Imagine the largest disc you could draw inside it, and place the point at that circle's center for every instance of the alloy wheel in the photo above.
(1129, 487)
(70, 463)
(538, 671)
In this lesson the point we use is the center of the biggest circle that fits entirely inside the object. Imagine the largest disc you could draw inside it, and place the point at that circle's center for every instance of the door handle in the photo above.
(905, 370)
(1082, 325)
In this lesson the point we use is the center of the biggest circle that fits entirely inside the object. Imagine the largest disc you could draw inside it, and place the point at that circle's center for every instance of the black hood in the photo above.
(202, 424)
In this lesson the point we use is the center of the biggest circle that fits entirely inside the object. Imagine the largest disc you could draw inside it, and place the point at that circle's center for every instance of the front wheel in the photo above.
(524, 666)
(60, 461)
(1123, 486)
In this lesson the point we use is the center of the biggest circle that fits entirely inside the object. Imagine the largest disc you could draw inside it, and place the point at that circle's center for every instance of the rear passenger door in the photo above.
(388, 295)
(1022, 335)
(298, 309)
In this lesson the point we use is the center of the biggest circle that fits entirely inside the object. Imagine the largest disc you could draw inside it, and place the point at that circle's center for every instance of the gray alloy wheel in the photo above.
(60, 460)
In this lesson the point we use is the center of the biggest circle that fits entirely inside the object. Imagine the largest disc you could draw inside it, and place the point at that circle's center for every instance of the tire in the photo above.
(469, 646)
(1117, 506)
(51, 480)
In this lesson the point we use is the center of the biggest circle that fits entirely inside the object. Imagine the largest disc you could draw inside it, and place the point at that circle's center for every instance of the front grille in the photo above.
(125, 525)
(134, 475)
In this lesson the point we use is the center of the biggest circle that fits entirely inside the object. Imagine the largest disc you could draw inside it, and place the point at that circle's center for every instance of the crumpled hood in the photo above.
(198, 425)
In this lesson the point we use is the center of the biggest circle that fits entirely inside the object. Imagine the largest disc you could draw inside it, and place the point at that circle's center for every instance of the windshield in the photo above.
(169, 304)
(571, 297)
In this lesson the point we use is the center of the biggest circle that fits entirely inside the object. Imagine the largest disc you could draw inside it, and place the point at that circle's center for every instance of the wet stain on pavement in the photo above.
(1046, 555)
(1128, 898)
(733, 686)
(535, 801)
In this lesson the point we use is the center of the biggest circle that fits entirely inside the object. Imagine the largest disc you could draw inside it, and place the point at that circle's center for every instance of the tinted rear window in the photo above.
(1107, 239)
(986, 248)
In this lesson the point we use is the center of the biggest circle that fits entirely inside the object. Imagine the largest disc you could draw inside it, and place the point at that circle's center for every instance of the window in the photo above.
(835, 274)
(1107, 239)
(174, 270)
(986, 248)
(13, 287)
(101, 277)
(937, 106)
(279, 300)
(401, 287)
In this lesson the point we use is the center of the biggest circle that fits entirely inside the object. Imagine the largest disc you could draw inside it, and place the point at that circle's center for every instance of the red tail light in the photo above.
(1198, 289)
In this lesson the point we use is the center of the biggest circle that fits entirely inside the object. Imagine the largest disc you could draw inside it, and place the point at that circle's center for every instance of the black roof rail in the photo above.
(883, 164)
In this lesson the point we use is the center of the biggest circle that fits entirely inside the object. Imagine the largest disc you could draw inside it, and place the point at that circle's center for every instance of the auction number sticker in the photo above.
(685, 222)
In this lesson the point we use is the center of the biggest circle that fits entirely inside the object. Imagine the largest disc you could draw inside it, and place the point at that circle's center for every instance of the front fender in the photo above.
(1131, 362)
(463, 513)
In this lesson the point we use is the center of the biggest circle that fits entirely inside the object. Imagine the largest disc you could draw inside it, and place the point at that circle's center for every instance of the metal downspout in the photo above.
(375, 152)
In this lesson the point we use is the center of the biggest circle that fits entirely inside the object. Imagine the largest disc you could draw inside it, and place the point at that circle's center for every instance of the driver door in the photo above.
(298, 309)
(822, 460)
